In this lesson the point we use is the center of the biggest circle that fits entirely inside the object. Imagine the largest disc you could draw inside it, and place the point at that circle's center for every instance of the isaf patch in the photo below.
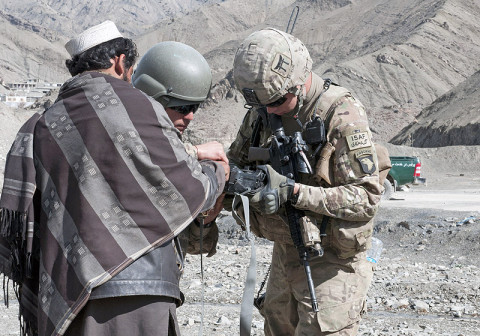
(358, 140)
(365, 158)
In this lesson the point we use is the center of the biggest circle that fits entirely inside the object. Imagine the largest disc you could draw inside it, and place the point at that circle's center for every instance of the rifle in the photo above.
(244, 181)
(286, 155)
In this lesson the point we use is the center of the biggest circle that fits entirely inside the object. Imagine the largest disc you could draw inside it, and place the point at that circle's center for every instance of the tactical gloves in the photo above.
(277, 191)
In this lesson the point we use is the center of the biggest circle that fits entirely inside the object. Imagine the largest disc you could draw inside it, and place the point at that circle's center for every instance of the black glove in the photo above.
(276, 191)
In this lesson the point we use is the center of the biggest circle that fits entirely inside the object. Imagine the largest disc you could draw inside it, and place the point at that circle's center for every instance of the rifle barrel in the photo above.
(311, 287)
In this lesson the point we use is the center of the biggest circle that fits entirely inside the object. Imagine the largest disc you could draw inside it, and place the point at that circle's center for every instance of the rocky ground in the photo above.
(427, 281)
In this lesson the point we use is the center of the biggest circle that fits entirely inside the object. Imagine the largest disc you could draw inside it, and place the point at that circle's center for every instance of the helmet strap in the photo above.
(301, 93)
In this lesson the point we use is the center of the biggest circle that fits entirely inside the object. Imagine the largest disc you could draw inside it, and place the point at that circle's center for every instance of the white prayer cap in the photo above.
(92, 37)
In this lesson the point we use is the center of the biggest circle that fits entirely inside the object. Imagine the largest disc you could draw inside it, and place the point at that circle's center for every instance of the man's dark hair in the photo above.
(98, 57)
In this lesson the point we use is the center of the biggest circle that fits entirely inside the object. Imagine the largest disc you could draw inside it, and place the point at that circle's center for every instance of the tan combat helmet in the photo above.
(268, 64)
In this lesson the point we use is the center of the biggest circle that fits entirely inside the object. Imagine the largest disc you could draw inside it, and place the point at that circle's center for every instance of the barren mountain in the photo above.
(30, 51)
(452, 119)
(216, 29)
(70, 16)
(396, 56)
(34, 32)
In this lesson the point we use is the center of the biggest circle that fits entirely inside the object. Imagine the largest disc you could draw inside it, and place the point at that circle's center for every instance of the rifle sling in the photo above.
(246, 309)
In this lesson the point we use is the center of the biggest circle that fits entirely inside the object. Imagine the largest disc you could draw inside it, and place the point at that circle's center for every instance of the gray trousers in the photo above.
(139, 315)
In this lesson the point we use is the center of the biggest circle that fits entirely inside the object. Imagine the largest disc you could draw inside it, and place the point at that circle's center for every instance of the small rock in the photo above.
(390, 302)
(457, 310)
(257, 324)
(404, 224)
(224, 320)
(402, 303)
(420, 306)
(195, 283)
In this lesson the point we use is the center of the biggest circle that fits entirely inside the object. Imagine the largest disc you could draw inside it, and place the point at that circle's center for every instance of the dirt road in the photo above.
(454, 200)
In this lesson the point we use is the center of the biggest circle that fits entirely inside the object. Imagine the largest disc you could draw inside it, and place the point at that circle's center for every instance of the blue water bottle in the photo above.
(373, 254)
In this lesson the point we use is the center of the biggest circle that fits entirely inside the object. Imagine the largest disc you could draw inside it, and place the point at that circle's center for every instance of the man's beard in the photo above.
(125, 72)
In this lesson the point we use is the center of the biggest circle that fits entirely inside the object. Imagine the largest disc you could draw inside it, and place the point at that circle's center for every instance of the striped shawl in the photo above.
(91, 184)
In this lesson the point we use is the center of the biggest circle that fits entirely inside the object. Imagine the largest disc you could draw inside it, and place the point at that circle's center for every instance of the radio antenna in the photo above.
(295, 9)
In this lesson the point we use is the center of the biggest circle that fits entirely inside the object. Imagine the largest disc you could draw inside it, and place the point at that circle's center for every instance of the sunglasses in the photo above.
(186, 109)
(278, 102)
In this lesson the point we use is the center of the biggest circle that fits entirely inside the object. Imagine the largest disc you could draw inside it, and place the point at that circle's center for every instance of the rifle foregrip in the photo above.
(293, 216)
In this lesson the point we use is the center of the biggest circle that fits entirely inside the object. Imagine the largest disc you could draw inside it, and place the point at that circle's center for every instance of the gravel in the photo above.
(427, 281)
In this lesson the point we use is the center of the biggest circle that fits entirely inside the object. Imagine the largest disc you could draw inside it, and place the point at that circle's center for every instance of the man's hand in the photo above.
(226, 167)
(214, 151)
(277, 191)
(211, 151)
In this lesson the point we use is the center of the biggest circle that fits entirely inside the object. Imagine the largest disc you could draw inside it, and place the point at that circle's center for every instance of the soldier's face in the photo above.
(180, 121)
(286, 107)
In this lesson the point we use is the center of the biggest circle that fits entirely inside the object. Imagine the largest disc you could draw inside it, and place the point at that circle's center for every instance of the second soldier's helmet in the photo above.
(268, 64)
(174, 74)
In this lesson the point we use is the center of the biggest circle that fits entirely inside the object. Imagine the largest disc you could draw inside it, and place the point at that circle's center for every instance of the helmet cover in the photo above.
(270, 62)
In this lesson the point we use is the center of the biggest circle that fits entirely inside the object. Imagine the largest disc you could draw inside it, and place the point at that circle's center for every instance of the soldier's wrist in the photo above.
(296, 194)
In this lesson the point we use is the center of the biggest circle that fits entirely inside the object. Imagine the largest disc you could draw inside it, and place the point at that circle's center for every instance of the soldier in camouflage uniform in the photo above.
(276, 68)
(179, 78)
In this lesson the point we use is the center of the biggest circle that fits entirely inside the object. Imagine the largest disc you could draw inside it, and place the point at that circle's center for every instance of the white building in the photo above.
(24, 94)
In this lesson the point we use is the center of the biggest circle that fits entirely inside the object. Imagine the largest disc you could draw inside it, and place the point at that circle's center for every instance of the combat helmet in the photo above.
(174, 74)
(268, 64)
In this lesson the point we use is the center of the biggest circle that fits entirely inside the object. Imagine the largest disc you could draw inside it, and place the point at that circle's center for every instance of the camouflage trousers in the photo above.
(340, 284)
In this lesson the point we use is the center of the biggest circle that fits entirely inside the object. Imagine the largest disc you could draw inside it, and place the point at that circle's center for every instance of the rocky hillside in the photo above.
(397, 57)
(452, 119)
(70, 16)
(30, 51)
(34, 32)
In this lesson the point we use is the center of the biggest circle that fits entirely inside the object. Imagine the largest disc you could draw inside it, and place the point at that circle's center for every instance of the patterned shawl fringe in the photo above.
(27, 328)
(6, 280)
(13, 228)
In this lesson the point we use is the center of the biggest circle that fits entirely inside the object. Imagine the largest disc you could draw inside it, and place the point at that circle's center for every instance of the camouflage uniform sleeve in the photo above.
(355, 190)
(191, 150)
(238, 151)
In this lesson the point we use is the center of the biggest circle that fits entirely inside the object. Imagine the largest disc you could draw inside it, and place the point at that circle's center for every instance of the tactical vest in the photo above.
(346, 238)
